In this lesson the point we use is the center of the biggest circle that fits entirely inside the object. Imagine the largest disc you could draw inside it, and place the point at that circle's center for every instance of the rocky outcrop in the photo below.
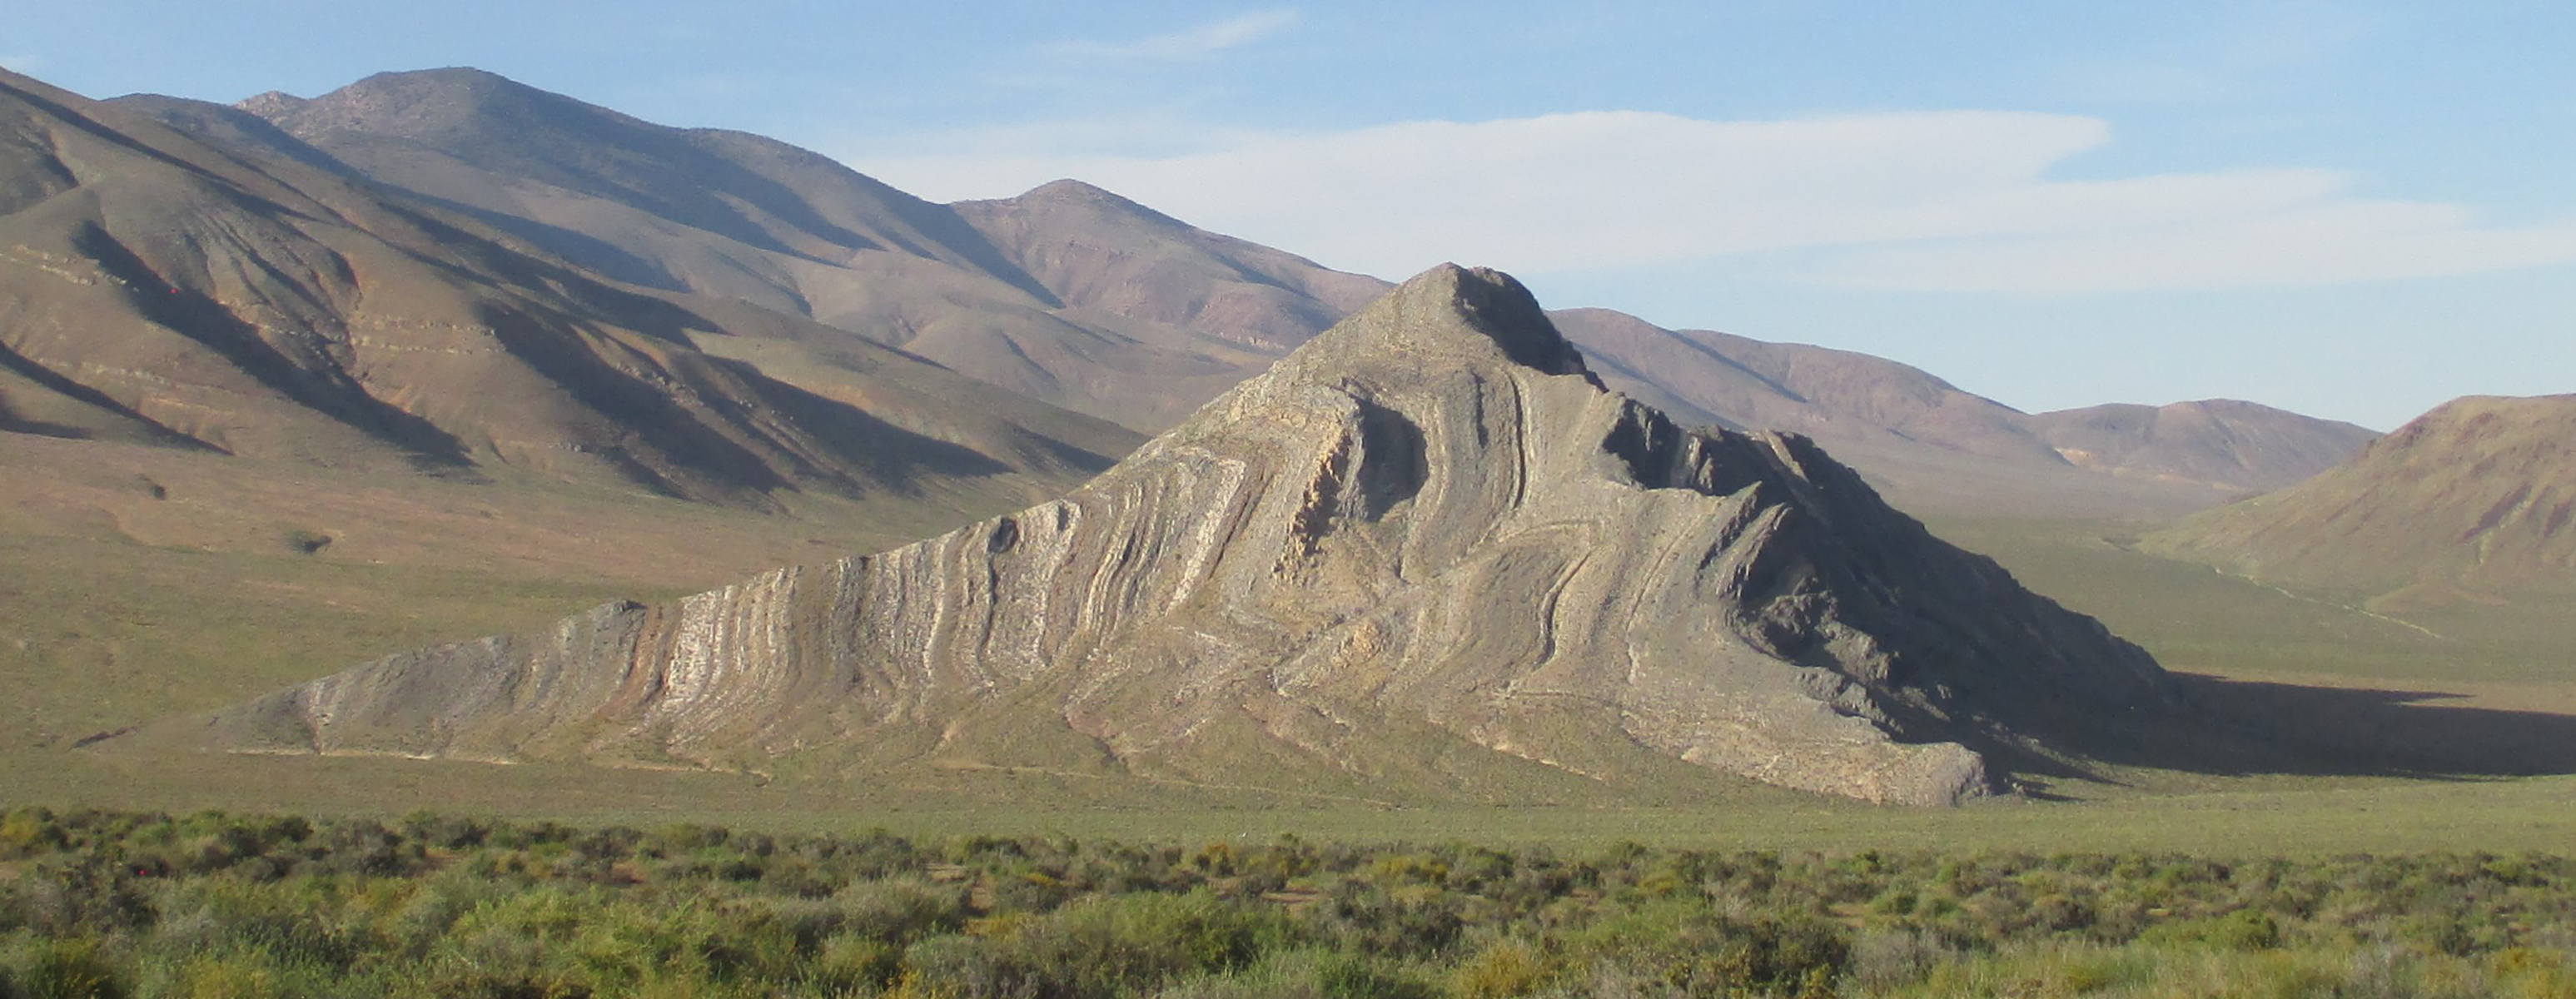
(1431, 523)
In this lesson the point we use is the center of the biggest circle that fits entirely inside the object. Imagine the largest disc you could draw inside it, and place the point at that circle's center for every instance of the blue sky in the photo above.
(2354, 210)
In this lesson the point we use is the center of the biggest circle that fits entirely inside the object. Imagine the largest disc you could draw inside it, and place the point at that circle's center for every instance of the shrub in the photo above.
(79, 967)
(1503, 968)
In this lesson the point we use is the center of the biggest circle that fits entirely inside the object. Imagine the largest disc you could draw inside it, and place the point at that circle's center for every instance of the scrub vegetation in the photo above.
(99, 903)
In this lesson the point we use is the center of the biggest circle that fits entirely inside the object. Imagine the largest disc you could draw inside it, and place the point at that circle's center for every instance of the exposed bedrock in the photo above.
(1431, 517)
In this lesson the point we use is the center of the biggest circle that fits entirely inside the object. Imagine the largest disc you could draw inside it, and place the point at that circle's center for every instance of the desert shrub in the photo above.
(27, 831)
(67, 967)
(1306, 973)
(843, 964)
(898, 911)
(1501, 969)
(220, 904)
(1100, 946)
(1369, 919)
(1887, 959)
(1697, 950)
(284, 921)
(364, 847)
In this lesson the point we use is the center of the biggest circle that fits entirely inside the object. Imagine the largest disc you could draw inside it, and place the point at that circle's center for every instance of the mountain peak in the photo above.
(1082, 198)
(1069, 189)
(1449, 309)
(270, 104)
(444, 105)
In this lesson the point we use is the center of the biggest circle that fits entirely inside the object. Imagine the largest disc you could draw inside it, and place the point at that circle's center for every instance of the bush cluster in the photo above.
(117, 904)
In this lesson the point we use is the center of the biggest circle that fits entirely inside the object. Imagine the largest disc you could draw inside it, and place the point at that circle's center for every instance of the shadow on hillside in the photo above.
(2257, 726)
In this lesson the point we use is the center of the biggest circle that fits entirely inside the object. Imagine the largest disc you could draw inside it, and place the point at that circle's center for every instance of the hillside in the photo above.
(736, 216)
(1079, 297)
(1931, 446)
(2225, 444)
(1427, 555)
(161, 290)
(2474, 500)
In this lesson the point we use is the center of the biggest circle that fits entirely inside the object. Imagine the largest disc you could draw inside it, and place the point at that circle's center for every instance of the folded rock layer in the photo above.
(1429, 529)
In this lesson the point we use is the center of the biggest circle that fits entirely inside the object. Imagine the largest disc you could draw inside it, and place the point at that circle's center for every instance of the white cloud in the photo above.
(21, 63)
(1957, 201)
(1195, 43)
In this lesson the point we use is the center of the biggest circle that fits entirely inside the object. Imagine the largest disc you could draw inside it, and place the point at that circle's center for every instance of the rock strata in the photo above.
(1430, 527)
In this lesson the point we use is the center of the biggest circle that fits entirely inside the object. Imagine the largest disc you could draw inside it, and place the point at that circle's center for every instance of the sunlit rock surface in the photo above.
(1429, 527)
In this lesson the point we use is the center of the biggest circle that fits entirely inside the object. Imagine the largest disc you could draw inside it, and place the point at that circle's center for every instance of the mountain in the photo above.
(1934, 447)
(2474, 499)
(234, 299)
(1111, 257)
(2220, 443)
(1079, 297)
(736, 216)
(1426, 554)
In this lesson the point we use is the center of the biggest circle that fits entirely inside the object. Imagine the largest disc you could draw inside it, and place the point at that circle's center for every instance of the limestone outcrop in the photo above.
(1428, 534)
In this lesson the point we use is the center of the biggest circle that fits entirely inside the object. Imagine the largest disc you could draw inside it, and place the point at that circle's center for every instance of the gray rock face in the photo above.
(1430, 521)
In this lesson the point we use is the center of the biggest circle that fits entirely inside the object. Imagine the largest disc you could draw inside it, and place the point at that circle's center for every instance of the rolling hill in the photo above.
(2474, 501)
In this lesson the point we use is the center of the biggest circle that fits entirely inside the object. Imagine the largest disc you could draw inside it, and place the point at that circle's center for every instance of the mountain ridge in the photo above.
(1086, 299)
(164, 290)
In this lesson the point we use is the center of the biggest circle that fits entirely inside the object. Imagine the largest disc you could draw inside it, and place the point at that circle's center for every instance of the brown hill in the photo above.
(157, 288)
(1931, 446)
(1427, 555)
(737, 216)
(1085, 299)
(2476, 498)
(1112, 257)
(2221, 443)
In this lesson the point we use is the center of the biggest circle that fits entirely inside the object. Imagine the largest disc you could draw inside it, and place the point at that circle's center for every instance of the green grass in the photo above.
(102, 634)
(2217, 816)
(2199, 620)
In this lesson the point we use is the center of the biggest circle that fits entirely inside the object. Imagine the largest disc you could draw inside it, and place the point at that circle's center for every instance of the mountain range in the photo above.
(402, 299)
(156, 288)
(1075, 296)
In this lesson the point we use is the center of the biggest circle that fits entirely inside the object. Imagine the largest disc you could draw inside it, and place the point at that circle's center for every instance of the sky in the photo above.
(2354, 210)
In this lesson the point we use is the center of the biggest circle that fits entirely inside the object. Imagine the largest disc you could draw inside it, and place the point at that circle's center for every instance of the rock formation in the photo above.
(1429, 534)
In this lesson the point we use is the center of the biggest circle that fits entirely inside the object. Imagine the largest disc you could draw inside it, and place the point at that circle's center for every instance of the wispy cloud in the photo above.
(22, 63)
(1195, 43)
(1944, 201)
(2250, 43)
